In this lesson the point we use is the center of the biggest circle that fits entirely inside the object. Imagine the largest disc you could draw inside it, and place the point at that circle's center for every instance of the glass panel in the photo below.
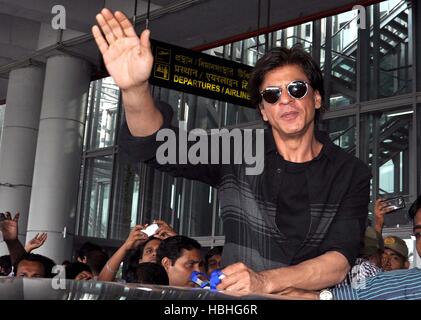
(126, 201)
(389, 147)
(97, 190)
(160, 198)
(394, 73)
(197, 220)
(301, 34)
(343, 59)
(219, 230)
(342, 132)
(103, 108)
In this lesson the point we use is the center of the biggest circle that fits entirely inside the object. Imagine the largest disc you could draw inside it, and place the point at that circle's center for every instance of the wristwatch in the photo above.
(325, 295)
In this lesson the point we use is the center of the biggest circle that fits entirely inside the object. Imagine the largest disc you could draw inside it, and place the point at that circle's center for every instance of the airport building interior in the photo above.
(60, 113)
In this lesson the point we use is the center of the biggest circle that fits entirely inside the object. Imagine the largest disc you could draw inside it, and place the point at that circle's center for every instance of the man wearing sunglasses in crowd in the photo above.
(298, 224)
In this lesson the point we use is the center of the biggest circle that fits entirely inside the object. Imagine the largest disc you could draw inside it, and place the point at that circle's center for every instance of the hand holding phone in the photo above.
(394, 204)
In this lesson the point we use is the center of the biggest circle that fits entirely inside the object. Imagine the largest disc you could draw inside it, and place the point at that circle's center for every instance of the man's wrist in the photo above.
(268, 282)
(136, 89)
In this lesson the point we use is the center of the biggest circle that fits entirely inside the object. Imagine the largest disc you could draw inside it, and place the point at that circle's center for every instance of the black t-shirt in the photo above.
(293, 210)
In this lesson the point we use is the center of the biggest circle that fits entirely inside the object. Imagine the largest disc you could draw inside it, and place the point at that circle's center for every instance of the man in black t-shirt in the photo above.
(298, 224)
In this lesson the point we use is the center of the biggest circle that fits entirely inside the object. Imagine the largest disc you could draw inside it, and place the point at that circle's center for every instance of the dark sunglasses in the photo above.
(296, 89)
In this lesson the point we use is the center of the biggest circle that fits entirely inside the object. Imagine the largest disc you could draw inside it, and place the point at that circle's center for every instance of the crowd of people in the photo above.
(163, 258)
(167, 258)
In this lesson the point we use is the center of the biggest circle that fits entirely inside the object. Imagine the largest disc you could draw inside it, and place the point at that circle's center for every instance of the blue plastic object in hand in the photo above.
(215, 278)
(194, 277)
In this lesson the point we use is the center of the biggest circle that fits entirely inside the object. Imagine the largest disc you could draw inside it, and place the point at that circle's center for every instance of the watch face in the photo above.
(326, 295)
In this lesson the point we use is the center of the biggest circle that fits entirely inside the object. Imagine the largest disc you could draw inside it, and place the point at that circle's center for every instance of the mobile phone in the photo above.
(151, 229)
(395, 203)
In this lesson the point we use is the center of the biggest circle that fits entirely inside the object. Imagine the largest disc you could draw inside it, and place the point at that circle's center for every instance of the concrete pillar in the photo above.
(58, 156)
(18, 143)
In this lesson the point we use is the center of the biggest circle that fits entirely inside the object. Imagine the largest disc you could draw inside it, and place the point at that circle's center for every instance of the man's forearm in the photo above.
(16, 250)
(314, 274)
(142, 116)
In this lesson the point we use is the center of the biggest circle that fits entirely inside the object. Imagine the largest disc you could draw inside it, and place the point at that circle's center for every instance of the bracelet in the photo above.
(109, 269)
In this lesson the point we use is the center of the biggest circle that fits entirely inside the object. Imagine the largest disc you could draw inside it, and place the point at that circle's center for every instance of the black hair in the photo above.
(142, 248)
(172, 247)
(151, 273)
(5, 265)
(74, 268)
(47, 263)
(279, 57)
(86, 248)
(211, 253)
(129, 273)
(414, 208)
(96, 260)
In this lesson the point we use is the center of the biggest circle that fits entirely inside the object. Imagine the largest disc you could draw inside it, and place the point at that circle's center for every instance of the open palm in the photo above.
(127, 58)
(36, 242)
(9, 226)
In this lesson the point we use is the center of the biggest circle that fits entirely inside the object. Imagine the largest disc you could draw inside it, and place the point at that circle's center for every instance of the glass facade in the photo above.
(370, 110)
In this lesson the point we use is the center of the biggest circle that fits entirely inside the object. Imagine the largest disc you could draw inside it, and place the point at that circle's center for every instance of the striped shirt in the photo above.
(391, 285)
(361, 270)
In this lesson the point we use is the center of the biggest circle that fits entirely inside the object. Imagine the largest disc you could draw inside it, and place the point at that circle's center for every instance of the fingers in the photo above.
(164, 232)
(99, 39)
(106, 29)
(112, 23)
(234, 268)
(84, 275)
(144, 39)
(16, 218)
(8, 216)
(160, 222)
(125, 24)
(43, 237)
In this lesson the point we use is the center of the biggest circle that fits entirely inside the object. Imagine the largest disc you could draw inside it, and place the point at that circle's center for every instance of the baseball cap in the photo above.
(396, 244)
(373, 242)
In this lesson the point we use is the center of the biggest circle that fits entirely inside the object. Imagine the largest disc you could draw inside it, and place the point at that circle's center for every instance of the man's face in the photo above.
(417, 231)
(376, 259)
(179, 273)
(149, 252)
(289, 117)
(30, 269)
(214, 263)
(392, 261)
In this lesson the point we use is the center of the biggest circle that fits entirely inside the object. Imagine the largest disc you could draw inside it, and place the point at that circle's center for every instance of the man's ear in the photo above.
(317, 99)
(263, 112)
(406, 264)
(166, 263)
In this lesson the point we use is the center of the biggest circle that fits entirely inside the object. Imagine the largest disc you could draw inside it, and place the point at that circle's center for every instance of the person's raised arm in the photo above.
(129, 61)
(135, 238)
(9, 228)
